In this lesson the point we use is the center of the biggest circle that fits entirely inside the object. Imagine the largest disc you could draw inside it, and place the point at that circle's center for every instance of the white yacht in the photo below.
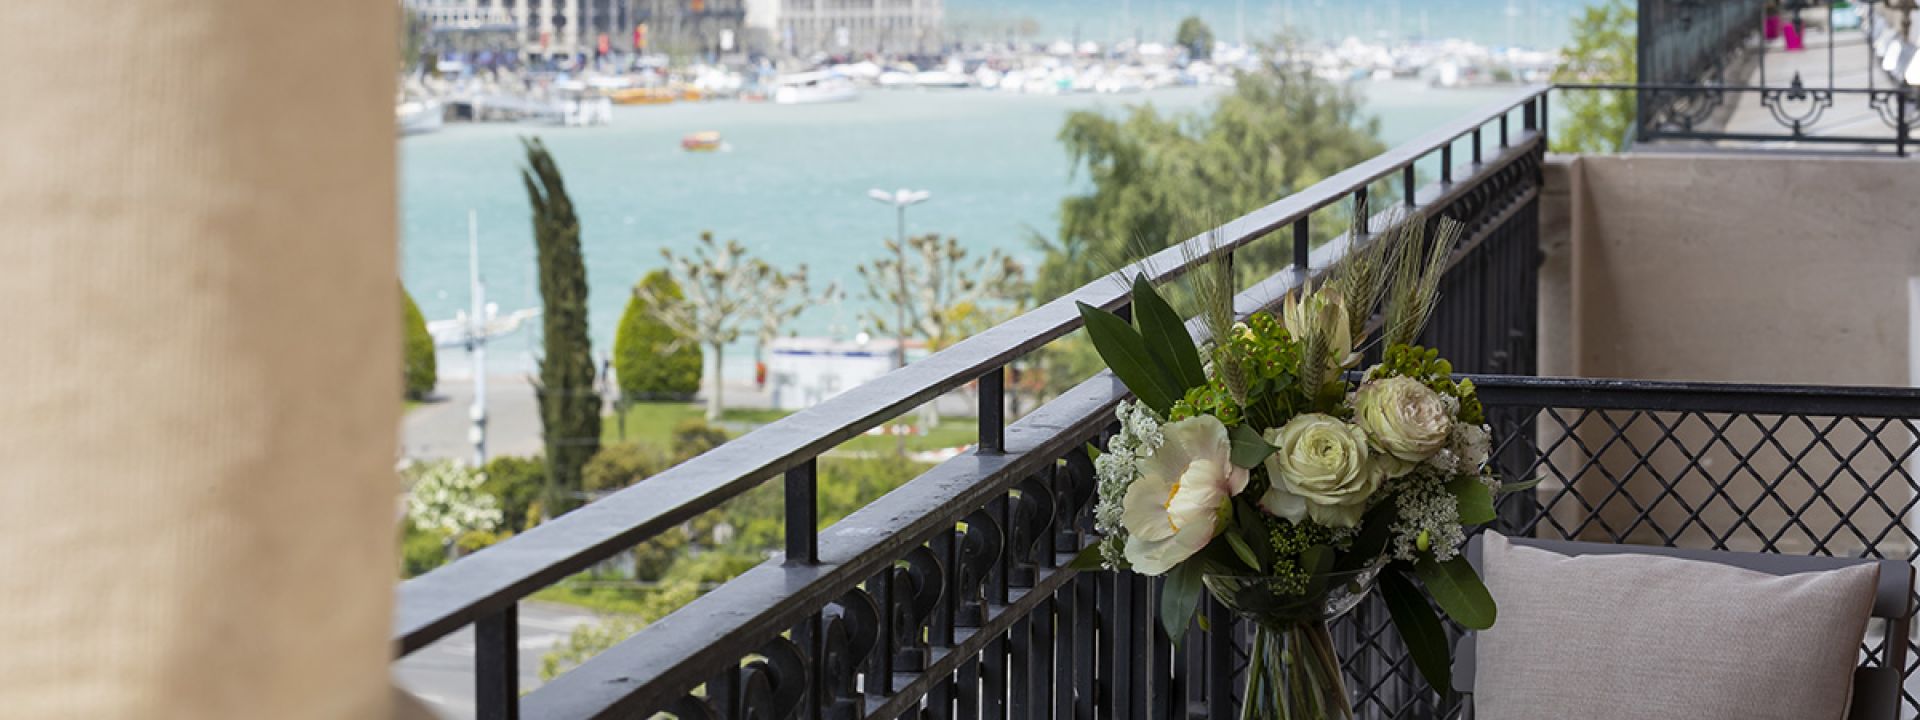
(419, 116)
(814, 87)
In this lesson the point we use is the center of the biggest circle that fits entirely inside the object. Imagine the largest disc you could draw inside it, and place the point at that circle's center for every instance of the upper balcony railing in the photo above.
(957, 561)
(1823, 73)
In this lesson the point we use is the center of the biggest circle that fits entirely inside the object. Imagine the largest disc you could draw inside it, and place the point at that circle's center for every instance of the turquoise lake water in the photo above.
(791, 188)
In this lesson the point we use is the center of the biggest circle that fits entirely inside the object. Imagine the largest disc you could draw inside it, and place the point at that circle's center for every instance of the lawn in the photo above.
(653, 423)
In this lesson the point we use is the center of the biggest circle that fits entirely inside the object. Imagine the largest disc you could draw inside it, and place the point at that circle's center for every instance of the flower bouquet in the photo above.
(1264, 468)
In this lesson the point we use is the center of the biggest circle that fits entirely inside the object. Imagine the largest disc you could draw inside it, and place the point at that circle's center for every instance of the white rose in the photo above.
(1404, 418)
(1171, 510)
(1322, 468)
(1472, 446)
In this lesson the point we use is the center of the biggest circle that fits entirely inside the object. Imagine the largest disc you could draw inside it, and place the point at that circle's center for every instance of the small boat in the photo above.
(419, 116)
(814, 87)
(703, 141)
(643, 96)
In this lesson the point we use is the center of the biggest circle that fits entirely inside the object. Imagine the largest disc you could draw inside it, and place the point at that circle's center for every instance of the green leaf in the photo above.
(1514, 487)
(1426, 639)
(1317, 561)
(1125, 353)
(1089, 559)
(1179, 599)
(1166, 335)
(1241, 549)
(1376, 529)
(1249, 449)
(1458, 590)
(1476, 501)
(1248, 518)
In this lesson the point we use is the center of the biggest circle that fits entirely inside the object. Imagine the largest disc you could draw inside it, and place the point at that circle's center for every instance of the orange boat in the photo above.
(642, 96)
(703, 141)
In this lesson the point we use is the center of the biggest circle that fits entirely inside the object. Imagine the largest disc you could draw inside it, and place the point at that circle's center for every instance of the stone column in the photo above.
(202, 376)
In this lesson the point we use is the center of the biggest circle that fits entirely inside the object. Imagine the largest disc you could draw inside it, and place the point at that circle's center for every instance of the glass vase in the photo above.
(1293, 672)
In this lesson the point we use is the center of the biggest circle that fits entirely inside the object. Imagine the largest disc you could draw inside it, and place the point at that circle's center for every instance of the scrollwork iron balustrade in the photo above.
(1696, 57)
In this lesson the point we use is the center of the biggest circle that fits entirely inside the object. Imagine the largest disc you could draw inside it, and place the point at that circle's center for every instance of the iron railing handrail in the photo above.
(1868, 401)
(492, 580)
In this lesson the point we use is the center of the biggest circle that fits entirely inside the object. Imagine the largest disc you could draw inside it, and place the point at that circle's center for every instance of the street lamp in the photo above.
(900, 199)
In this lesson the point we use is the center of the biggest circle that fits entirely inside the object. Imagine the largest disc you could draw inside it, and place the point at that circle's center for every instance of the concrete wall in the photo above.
(1756, 268)
(1764, 268)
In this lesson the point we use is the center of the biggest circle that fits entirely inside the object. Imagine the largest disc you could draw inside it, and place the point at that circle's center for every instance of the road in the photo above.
(438, 428)
(441, 674)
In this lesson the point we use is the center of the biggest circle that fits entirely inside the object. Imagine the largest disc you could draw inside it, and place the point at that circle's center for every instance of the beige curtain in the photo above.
(200, 375)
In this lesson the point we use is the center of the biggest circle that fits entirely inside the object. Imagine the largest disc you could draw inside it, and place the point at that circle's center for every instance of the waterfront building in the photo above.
(708, 29)
(849, 27)
(541, 28)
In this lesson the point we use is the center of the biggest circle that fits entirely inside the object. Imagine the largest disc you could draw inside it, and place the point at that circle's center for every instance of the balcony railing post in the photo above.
(1361, 220)
(496, 669)
(1544, 136)
(1503, 131)
(1904, 125)
(993, 411)
(1446, 163)
(1530, 117)
(1300, 250)
(1406, 185)
(1476, 146)
(803, 513)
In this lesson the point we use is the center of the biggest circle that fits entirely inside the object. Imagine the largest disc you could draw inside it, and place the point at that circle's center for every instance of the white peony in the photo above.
(1404, 418)
(1322, 468)
(1171, 510)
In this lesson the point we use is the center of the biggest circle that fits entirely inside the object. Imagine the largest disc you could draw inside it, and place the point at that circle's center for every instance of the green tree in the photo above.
(422, 373)
(569, 403)
(516, 482)
(1196, 37)
(651, 359)
(622, 464)
(1159, 179)
(1603, 51)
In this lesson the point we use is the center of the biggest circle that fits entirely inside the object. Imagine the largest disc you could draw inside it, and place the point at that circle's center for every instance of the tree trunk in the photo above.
(713, 396)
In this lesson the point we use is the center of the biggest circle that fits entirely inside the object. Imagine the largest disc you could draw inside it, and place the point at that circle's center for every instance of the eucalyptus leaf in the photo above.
(1376, 529)
(1179, 598)
(1514, 487)
(1243, 551)
(1476, 501)
(1126, 354)
(1458, 590)
(1249, 449)
(1166, 334)
(1088, 559)
(1248, 518)
(1419, 628)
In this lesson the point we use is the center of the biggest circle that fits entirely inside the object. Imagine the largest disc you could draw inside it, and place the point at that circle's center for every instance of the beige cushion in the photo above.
(1638, 636)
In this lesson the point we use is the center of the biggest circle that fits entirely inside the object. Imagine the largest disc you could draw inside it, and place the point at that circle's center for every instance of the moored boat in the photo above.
(703, 141)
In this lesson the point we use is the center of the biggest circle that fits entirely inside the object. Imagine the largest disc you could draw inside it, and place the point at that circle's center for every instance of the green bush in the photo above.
(617, 466)
(641, 358)
(692, 437)
(421, 371)
(516, 483)
(421, 550)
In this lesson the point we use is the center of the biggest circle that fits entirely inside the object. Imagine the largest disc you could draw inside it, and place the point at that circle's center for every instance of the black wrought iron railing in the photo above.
(947, 596)
(1753, 468)
(1845, 62)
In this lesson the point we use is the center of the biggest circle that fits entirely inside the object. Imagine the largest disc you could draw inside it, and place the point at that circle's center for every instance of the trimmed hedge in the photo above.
(422, 373)
(646, 370)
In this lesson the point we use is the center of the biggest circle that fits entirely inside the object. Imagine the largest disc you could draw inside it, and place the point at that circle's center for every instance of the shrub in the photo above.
(445, 497)
(652, 558)
(420, 550)
(617, 466)
(421, 371)
(652, 361)
(692, 437)
(516, 482)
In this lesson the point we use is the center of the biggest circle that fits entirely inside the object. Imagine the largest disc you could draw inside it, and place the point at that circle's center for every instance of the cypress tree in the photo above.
(421, 371)
(569, 404)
